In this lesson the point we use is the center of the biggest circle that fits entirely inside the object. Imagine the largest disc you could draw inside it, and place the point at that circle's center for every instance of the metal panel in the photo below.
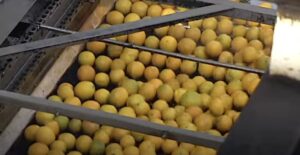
(269, 124)
(110, 119)
(12, 16)
(116, 30)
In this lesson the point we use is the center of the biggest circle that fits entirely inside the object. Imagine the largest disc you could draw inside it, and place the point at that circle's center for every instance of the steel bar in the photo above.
(116, 30)
(133, 124)
(10, 16)
(158, 51)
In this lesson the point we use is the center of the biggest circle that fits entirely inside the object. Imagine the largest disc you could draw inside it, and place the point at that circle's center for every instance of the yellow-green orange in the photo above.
(43, 118)
(45, 135)
(206, 70)
(158, 60)
(190, 98)
(173, 63)
(118, 97)
(177, 31)
(84, 90)
(225, 26)
(224, 123)
(144, 57)
(193, 33)
(139, 8)
(130, 85)
(203, 122)
(68, 139)
(97, 47)
(238, 43)
(207, 36)
(154, 10)
(59, 145)
(225, 40)
(135, 69)
(239, 31)
(137, 38)
(226, 57)
(131, 17)
(65, 90)
(103, 63)
(86, 73)
(101, 95)
(165, 92)
(148, 91)
(210, 23)
(186, 46)
(240, 99)
(151, 72)
(83, 143)
(38, 149)
(152, 42)
(216, 107)
(123, 6)
(116, 75)
(168, 43)
(114, 17)
(213, 49)
(86, 58)
(166, 75)
(30, 132)
(114, 51)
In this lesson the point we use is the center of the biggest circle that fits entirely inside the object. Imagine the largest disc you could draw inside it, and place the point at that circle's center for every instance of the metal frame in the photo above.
(115, 120)
(116, 30)
(226, 8)
(235, 10)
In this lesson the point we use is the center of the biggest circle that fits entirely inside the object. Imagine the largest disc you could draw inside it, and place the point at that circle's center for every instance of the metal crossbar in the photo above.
(159, 51)
(115, 30)
(115, 120)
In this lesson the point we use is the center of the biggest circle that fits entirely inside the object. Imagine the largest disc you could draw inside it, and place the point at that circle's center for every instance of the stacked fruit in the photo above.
(154, 87)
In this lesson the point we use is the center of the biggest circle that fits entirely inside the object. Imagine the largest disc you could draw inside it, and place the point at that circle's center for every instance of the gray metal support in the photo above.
(133, 124)
(115, 30)
(159, 51)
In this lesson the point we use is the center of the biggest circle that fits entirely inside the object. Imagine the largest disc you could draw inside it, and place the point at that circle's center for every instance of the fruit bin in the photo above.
(69, 75)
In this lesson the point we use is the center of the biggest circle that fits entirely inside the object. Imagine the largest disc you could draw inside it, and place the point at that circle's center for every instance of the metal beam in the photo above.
(159, 51)
(242, 6)
(104, 118)
(247, 11)
(115, 30)
(11, 13)
(241, 10)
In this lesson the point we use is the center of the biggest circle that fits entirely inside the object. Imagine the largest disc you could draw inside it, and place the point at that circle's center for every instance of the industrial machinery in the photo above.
(34, 59)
